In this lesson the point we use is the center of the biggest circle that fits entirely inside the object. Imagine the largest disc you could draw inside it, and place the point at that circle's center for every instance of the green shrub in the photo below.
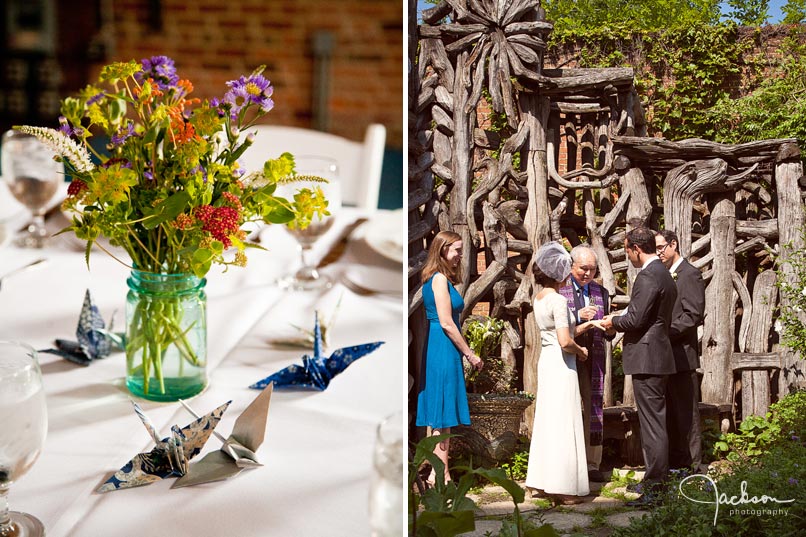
(766, 459)
(785, 422)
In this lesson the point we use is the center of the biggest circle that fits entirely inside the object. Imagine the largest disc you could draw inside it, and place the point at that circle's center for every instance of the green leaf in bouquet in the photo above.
(168, 210)
(277, 213)
(201, 261)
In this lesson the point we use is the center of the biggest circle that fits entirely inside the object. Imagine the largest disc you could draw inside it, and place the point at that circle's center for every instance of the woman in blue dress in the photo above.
(442, 401)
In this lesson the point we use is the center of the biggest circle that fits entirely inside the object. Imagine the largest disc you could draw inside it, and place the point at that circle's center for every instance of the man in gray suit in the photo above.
(683, 390)
(647, 353)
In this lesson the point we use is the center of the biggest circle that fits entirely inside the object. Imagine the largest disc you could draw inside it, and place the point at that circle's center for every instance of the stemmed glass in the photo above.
(386, 485)
(307, 277)
(33, 178)
(24, 420)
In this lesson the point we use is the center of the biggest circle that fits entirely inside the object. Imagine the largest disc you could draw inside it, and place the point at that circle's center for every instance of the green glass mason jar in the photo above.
(166, 335)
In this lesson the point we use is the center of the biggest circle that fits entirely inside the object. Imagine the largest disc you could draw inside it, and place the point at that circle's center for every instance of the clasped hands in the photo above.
(605, 324)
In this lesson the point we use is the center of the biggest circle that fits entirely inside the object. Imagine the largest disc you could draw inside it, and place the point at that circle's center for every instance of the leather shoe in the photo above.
(637, 488)
(596, 476)
(645, 501)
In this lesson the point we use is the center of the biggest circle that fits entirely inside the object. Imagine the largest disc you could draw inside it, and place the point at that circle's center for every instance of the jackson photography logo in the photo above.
(743, 504)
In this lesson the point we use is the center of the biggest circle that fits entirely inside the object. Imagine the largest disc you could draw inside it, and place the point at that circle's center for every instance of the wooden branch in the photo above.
(416, 263)
(562, 81)
(482, 286)
(747, 307)
(755, 360)
(767, 229)
(495, 233)
(651, 149)
(613, 215)
(509, 211)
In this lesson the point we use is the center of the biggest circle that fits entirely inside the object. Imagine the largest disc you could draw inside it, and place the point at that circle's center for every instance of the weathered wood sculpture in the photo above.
(573, 163)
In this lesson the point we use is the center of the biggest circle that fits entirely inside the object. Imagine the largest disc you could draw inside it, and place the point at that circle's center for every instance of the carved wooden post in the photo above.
(788, 169)
(536, 221)
(461, 164)
(718, 330)
(756, 383)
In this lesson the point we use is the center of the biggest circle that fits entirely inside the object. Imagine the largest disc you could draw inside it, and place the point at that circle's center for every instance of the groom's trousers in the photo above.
(650, 399)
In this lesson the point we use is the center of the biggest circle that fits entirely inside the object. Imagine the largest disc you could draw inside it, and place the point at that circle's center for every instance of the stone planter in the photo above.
(495, 423)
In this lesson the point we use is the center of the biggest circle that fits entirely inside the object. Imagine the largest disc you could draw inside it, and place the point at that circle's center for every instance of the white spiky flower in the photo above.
(62, 145)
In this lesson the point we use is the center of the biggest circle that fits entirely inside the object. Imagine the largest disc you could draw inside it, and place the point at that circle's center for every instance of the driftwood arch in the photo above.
(576, 165)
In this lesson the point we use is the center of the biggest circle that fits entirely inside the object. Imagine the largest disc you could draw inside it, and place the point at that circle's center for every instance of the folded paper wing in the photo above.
(94, 340)
(238, 451)
(316, 371)
(169, 457)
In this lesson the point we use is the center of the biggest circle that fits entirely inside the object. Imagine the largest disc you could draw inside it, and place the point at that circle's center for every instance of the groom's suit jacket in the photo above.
(646, 345)
(689, 310)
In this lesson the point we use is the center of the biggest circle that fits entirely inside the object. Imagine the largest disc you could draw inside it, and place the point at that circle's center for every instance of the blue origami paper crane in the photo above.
(94, 341)
(317, 371)
(170, 456)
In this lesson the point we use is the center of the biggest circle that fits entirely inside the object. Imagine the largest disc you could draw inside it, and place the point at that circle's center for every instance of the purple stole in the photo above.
(593, 340)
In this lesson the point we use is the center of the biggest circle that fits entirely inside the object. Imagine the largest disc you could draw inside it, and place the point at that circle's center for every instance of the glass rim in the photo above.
(30, 352)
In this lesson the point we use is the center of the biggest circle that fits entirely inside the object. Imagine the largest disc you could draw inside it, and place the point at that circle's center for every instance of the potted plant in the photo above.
(496, 405)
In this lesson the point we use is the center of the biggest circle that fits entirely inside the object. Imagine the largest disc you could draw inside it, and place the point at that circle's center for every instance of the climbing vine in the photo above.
(680, 72)
(776, 108)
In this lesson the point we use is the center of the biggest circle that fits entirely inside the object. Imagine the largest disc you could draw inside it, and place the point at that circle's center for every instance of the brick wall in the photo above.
(213, 41)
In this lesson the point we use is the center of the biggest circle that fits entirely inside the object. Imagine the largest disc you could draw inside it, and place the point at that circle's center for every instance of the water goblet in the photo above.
(307, 277)
(25, 424)
(33, 178)
(386, 485)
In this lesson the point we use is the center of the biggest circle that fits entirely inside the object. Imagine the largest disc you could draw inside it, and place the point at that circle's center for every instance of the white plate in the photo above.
(376, 279)
(386, 234)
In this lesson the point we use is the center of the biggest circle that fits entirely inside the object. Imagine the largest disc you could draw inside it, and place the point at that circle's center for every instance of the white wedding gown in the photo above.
(557, 462)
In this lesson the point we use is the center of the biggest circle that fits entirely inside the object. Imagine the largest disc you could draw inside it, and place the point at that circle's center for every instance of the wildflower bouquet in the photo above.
(169, 190)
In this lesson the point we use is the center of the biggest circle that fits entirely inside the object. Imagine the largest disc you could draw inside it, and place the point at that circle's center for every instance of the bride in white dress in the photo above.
(557, 461)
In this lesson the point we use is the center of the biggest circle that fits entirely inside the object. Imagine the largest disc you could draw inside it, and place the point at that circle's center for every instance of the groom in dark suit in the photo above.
(683, 391)
(647, 354)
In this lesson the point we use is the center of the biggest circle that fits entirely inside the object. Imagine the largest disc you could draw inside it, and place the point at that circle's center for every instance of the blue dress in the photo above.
(442, 401)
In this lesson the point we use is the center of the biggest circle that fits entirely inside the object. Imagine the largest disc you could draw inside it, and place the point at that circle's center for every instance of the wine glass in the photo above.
(386, 485)
(23, 416)
(33, 177)
(307, 277)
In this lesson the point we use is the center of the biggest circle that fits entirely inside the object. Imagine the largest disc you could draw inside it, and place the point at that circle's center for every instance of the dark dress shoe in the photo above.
(596, 476)
(637, 488)
(645, 501)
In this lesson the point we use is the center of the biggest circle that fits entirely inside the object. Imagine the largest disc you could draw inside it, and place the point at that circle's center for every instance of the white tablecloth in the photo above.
(317, 452)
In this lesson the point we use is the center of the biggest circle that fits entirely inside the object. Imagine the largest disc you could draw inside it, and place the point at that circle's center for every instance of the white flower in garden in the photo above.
(777, 326)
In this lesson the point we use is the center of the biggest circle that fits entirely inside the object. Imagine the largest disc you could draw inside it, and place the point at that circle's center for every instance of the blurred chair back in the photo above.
(359, 163)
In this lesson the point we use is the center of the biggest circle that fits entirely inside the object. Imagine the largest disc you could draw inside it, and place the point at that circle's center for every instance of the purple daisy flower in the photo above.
(67, 130)
(793, 481)
(255, 89)
(159, 68)
(123, 134)
(95, 98)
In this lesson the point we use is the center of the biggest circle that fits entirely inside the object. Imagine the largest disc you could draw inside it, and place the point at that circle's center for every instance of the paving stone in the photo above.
(621, 520)
(566, 521)
(483, 526)
(599, 502)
